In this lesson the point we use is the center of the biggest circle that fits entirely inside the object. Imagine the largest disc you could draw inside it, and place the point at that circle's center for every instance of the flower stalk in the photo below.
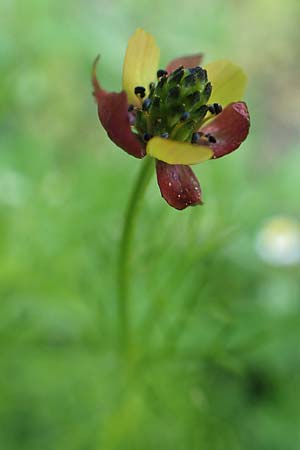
(125, 254)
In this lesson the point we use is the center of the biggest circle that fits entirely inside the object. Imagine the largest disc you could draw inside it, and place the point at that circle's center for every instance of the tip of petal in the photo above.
(178, 185)
(241, 108)
(228, 80)
(98, 91)
(140, 63)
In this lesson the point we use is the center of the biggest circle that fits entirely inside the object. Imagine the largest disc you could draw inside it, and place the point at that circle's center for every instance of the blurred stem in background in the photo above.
(124, 275)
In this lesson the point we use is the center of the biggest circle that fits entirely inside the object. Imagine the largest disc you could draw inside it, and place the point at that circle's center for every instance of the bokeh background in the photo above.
(216, 297)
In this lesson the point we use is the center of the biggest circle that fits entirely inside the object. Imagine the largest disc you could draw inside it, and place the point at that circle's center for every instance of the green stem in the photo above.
(126, 246)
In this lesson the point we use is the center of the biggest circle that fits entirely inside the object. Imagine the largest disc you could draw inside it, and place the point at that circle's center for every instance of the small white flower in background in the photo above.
(14, 188)
(278, 241)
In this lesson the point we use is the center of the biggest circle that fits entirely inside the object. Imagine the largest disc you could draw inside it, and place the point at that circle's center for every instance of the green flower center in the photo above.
(175, 107)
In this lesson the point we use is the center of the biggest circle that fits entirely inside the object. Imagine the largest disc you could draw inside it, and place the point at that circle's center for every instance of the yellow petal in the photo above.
(140, 63)
(175, 152)
(228, 82)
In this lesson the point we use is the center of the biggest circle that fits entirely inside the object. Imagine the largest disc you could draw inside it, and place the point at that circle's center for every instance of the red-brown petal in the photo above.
(230, 129)
(185, 61)
(178, 185)
(114, 116)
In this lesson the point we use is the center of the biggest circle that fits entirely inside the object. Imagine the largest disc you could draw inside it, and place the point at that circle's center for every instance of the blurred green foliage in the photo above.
(216, 329)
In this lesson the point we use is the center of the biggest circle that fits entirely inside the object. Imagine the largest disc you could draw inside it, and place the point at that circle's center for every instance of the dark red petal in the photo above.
(178, 185)
(114, 116)
(230, 129)
(185, 61)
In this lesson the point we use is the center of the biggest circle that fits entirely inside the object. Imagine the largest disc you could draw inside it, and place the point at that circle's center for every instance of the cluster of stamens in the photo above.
(176, 106)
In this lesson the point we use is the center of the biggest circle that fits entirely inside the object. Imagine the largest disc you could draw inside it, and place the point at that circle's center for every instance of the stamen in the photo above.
(200, 112)
(146, 104)
(160, 73)
(194, 98)
(195, 138)
(176, 76)
(185, 116)
(140, 90)
(151, 89)
(200, 73)
(193, 69)
(130, 108)
(210, 138)
(215, 108)
(218, 108)
(190, 80)
(178, 68)
(174, 92)
(147, 137)
(207, 90)
(161, 82)
(156, 102)
(177, 109)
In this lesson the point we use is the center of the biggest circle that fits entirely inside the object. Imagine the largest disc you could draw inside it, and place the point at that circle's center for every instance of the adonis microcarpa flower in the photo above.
(182, 115)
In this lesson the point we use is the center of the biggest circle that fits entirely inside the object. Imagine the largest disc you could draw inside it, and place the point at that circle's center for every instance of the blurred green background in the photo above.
(215, 301)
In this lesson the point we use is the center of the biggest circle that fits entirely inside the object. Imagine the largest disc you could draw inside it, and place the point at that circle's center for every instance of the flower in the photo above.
(188, 115)
(278, 241)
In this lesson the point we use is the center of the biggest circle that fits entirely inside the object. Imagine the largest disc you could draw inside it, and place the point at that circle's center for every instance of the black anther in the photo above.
(174, 92)
(215, 108)
(160, 73)
(140, 90)
(195, 138)
(207, 90)
(218, 108)
(200, 73)
(194, 97)
(202, 110)
(190, 80)
(146, 104)
(185, 116)
(151, 86)
(161, 82)
(211, 138)
(130, 108)
(177, 75)
(196, 70)
(147, 137)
